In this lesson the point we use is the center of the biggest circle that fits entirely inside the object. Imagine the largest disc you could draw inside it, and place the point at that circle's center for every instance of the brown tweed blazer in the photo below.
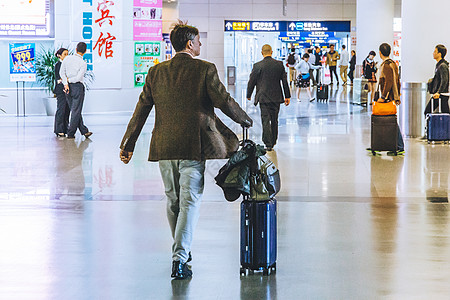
(184, 92)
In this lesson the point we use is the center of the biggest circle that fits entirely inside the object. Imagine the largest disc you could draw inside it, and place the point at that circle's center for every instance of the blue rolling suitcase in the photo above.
(258, 233)
(258, 236)
(438, 125)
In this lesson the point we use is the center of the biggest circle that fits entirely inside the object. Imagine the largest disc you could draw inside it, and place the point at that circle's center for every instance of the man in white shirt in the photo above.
(72, 73)
(343, 65)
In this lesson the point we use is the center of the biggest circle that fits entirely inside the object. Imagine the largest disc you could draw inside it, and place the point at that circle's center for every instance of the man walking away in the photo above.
(332, 58)
(343, 65)
(184, 92)
(390, 87)
(291, 62)
(268, 75)
(72, 73)
(439, 83)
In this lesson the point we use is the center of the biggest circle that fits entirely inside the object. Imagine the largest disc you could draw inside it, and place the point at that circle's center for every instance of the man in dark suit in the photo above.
(268, 75)
(184, 91)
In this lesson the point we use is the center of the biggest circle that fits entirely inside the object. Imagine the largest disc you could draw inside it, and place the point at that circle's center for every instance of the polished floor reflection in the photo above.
(76, 223)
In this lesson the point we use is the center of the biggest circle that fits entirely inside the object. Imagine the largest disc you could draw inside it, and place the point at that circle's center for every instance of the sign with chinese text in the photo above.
(335, 26)
(22, 65)
(146, 55)
(98, 23)
(26, 18)
(397, 46)
(147, 20)
(313, 36)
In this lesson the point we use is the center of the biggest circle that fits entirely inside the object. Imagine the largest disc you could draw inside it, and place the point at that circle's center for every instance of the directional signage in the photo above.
(336, 26)
(333, 26)
(254, 26)
(312, 36)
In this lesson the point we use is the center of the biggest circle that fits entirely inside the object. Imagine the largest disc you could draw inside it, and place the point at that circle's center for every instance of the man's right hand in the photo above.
(287, 101)
(125, 156)
(66, 88)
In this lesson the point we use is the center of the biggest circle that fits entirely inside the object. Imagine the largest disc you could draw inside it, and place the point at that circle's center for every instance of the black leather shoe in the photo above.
(70, 136)
(180, 270)
(88, 134)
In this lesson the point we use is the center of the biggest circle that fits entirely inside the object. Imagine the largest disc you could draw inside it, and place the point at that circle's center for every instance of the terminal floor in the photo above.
(76, 223)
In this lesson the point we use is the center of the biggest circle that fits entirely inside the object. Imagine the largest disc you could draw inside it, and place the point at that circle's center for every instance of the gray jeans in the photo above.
(75, 98)
(183, 183)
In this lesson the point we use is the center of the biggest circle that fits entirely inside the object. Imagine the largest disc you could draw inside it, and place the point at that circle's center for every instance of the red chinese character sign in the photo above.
(98, 23)
(105, 43)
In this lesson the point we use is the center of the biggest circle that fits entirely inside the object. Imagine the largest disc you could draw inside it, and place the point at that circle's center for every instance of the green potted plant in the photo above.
(45, 76)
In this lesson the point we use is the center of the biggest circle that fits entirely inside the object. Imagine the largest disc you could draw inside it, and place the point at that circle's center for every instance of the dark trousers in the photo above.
(318, 75)
(333, 70)
(311, 74)
(400, 144)
(62, 113)
(351, 73)
(76, 100)
(269, 118)
(444, 105)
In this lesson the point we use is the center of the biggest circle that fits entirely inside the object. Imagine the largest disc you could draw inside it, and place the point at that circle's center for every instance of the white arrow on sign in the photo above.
(292, 26)
(228, 26)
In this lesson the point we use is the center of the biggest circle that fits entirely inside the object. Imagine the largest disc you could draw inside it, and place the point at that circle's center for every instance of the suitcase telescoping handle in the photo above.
(244, 133)
(244, 138)
(440, 102)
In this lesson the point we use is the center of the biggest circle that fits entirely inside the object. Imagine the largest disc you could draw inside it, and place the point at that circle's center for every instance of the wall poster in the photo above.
(146, 55)
(22, 65)
(147, 20)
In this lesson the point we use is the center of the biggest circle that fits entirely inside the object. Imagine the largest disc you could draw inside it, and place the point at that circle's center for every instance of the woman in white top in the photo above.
(303, 78)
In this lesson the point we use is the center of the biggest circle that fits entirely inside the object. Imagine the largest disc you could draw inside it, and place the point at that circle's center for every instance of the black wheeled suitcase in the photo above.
(322, 89)
(438, 125)
(322, 92)
(384, 133)
(258, 236)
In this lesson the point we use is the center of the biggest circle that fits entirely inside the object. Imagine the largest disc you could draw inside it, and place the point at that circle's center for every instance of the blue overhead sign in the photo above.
(255, 26)
(307, 35)
(274, 26)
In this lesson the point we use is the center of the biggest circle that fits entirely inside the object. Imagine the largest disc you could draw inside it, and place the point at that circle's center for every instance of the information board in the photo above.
(275, 26)
(22, 65)
(31, 18)
(146, 55)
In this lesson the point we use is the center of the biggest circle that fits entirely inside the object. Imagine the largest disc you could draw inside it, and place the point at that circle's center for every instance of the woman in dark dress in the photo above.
(369, 72)
(352, 67)
(62, 107)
